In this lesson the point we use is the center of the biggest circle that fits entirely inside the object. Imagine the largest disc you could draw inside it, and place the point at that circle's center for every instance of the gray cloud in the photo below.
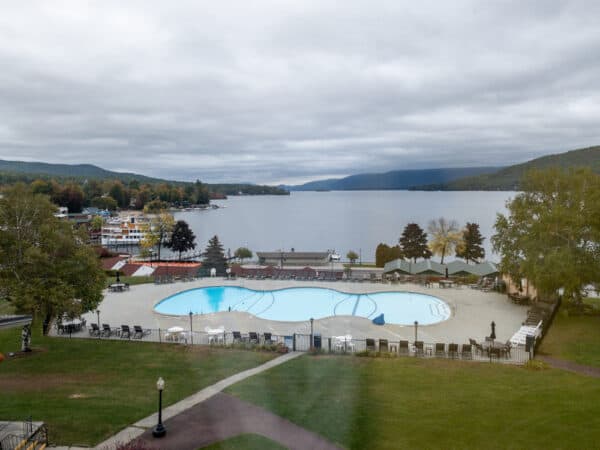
(271, 92)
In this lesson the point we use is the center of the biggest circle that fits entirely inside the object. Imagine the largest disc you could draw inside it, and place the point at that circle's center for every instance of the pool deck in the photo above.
(472, 312)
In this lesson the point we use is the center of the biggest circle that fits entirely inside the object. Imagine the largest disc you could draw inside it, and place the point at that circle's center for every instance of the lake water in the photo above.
(340, 220)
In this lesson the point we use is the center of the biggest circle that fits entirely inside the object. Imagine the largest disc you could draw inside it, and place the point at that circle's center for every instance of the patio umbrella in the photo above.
(118, 278)
(493, 334)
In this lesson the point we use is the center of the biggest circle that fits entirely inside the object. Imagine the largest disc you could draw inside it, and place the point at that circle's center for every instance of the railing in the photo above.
(25, 440)
(493, 352)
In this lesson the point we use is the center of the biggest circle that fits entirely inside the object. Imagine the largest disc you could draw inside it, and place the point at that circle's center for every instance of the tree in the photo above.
(96, 223)
(72, 197)
(384, 253)
(470, 248)
(243, 253)
(445, 236)
(106, 202)
(182, 238)
(46, 269)
(414, 242)
(552, 233)
(214, 256)
(352, 256)
(155, 206)
(158, 232)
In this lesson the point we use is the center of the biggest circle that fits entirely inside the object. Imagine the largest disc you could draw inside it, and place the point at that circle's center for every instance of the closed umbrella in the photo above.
(493, 334)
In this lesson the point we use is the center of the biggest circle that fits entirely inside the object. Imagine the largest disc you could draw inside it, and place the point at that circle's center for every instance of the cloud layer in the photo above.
(270, 91)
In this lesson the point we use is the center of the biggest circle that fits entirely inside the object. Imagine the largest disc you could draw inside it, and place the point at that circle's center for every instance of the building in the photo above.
(293, 258)
(428, 267)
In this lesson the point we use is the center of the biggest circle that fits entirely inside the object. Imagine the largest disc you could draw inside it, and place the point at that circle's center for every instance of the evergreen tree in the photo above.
(214, 257)
(414, 242)
(182, 238)
(470, 249)
(384, 253)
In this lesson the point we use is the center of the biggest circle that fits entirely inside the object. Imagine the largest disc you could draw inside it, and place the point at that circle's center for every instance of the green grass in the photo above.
(87, 389)
(246, 442)
(416, 403)
(575, 338)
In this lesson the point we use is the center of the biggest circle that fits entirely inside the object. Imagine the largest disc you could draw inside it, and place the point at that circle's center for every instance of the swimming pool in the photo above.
(300, 304)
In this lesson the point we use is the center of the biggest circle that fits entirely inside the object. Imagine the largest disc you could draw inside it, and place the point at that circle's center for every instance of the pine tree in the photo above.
(214, 257)
(470, 249)
(413, 242)
(182, 238)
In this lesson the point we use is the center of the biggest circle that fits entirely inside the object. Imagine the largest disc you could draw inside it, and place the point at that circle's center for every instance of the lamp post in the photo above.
(191, 329)
(492, 337)
(98, 314)
(416, 329)
(159, 430)
(311, 333)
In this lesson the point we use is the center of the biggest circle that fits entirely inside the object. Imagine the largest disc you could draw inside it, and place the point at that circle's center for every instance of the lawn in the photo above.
(132, 281)
(575, 338)
(88, 389)
(6, 308)
(416, 403)
(246, 442)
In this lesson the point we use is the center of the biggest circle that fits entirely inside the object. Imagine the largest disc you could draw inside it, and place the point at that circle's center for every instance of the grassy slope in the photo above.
(6, 308)
(86, 390)
(509, 177)
(408, 403)
(575, 338)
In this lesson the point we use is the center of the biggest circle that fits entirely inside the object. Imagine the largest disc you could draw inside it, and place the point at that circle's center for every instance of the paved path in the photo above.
(571, 366)
(138, 428)
(223, 416)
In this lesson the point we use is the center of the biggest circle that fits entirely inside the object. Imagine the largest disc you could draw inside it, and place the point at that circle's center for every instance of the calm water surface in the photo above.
(340, 220)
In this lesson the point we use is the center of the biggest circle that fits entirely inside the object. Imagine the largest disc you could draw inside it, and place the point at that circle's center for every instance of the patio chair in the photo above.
(506, 349)
(419, 348)
(268, 338)
(253, 337)
(452, 350)
(384, 345)
(466, 351)
(403, 349)
(370, 344)
(94, 330)
(106, 331)
(237, 336)
(125, 332)
(440, 350)
(139, 332)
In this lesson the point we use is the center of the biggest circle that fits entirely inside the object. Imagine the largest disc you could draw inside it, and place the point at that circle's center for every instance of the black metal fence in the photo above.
(486, 351)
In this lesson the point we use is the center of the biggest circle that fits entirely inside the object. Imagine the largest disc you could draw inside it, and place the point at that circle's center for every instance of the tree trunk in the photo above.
(46, 323)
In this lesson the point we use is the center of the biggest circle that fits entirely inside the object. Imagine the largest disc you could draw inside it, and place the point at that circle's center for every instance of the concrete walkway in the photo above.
(138, 428)
(571, 366)
(222, 417)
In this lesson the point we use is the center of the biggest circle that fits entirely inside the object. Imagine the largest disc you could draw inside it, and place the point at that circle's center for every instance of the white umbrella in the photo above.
(175, 330)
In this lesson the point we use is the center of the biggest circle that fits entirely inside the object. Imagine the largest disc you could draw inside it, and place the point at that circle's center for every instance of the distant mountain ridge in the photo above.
(393, 180)
(508, 178)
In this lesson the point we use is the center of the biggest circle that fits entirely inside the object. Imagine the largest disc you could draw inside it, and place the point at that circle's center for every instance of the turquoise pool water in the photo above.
(300, 304)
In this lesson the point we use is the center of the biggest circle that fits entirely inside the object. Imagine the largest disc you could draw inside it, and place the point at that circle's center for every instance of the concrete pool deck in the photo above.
(472, 312)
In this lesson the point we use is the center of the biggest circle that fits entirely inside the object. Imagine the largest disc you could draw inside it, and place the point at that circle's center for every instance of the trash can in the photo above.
(529, 343)
(317, 340)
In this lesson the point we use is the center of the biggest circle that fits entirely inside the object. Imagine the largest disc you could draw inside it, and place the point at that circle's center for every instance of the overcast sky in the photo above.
(279, 91)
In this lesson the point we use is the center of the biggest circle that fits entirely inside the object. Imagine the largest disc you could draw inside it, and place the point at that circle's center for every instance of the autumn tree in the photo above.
(157, 232)
(414, 242)
(551, 235)
(384, 253)
(46, 269)
(469, 248)
(182, 238)
(445, 236)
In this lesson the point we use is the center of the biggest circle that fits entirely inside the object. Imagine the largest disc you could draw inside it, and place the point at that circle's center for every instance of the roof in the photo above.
(483, 269)
(110, 262)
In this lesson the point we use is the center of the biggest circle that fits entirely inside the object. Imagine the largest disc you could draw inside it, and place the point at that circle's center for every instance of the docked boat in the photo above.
(124, 231)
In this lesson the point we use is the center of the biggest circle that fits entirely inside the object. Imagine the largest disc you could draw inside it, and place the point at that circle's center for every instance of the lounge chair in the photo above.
(106, 330)
(403, 349)
(125, 332)
(370, 343)
(94, 330)
(452, 350)
(139, 332)
(383, 345)
(466, 351)
(268, 339)
(440, 350)
(419, 348)
(253, 337)
(237, 336)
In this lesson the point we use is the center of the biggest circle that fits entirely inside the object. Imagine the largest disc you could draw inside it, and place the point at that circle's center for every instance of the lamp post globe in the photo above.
(159, 430)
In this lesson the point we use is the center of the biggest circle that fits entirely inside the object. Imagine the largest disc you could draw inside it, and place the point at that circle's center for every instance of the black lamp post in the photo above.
(492, 337)
(98, 314)
(312, 343)
(416, 329)
(191, 329)
(159, 430)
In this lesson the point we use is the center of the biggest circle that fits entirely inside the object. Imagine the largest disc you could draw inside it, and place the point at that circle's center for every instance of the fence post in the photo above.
(329, 344)
(159, 338)
(294, 343)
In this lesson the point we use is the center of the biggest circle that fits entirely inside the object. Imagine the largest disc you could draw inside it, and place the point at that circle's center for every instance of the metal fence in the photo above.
(487, 351)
